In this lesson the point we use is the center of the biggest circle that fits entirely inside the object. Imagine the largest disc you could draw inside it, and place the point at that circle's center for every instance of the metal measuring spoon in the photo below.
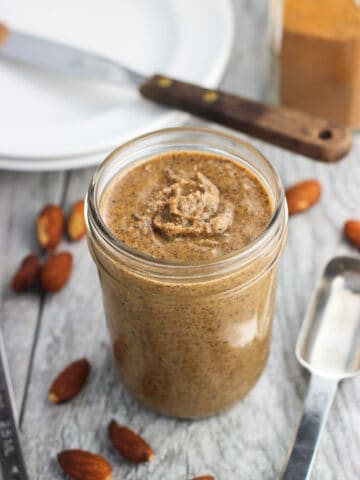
(329, 347)
(12, 465)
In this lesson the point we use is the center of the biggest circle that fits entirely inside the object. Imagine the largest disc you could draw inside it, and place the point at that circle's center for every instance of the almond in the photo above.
(204, 477)
(83, 465)
(302, 196)
(27, 274)
(129, 444)
(50, 226)
(352, 232)
(76, 226)
(69, 382)
(56, 272)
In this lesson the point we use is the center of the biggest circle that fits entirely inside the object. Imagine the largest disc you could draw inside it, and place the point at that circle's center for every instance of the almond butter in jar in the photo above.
(317, 47)
(187, 227)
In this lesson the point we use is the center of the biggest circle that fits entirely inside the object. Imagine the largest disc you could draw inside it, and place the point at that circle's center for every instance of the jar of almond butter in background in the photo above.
(315, 48)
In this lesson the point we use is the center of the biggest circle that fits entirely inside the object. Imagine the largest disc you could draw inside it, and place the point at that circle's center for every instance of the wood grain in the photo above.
(294, 130)
(21, 198)
(250, 441)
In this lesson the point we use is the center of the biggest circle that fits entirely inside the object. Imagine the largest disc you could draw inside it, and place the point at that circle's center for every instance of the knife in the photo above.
(299, 132)
(12, 465)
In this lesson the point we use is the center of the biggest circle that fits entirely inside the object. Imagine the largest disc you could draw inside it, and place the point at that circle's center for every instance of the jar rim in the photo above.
(94, 219)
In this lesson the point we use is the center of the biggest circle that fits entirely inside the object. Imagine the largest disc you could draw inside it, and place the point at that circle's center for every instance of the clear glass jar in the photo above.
(189, 340)
(315, 57)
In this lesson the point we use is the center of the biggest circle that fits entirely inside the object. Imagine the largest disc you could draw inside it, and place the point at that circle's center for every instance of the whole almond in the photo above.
(129, 444)
(27, 274)
(204, 477)
(76, 226)
(50, 226)
(69, 382)
(56, 272)
(302, 196)
(83, 465)
(352, 232)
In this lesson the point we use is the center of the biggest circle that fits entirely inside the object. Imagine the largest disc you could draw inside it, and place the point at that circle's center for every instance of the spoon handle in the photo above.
(319, 397)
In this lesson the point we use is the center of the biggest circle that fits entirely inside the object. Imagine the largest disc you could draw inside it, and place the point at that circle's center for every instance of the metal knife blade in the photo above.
(64, 59)
(12, 463)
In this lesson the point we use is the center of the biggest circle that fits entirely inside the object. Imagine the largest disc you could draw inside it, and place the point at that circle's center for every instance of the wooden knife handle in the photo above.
(291, 129)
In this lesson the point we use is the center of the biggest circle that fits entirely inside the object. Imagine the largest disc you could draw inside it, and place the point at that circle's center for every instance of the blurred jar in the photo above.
(315, 66)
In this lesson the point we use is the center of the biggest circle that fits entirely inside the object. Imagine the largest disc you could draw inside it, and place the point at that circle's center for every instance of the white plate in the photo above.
(50, 122)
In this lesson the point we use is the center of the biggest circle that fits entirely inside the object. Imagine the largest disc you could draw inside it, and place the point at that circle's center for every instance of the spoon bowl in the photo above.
(329, 347)
(329, 339)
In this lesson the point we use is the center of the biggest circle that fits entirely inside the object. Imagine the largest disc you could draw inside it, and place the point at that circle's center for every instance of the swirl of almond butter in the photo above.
(189, 207)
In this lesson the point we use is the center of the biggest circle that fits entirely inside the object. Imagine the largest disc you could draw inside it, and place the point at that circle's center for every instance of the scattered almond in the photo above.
(129, 444)
(69, 382)
(352, 232)
(83, 465)
(302, 196)
(50, 226)
(56, 271)
(204, 477)
(76, 226)
(27, 274)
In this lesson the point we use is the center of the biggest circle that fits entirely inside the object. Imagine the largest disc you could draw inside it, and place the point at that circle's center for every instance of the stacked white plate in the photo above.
(49, 122)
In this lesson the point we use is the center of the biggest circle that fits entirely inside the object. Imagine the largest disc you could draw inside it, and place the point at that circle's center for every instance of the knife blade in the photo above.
(297, 131)
(12, 465)
(63, 59)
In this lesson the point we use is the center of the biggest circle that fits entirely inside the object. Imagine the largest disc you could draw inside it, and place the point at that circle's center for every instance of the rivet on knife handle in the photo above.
(293, 130)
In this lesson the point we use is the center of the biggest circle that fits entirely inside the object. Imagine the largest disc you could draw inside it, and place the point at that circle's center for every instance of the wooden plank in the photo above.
(314, 238)
(22, 195)
(250, 441)
(247, 70)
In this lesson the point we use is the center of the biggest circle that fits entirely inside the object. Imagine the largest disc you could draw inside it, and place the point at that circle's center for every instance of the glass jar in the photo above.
(189, 339)
(315, 57)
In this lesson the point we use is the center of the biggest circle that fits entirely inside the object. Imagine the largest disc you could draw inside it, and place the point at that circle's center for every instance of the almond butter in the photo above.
(27, 274)
(83, 465)
(76, 226)
(50, 226)
(129, 444)
(302, 196)
(69, 382)
(56, 271)
(352, 232)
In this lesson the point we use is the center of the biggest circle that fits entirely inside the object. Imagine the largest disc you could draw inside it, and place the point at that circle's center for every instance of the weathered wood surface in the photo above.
(44, 334)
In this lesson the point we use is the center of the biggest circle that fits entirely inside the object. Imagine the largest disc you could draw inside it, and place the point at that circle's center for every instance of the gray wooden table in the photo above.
(43, 334)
